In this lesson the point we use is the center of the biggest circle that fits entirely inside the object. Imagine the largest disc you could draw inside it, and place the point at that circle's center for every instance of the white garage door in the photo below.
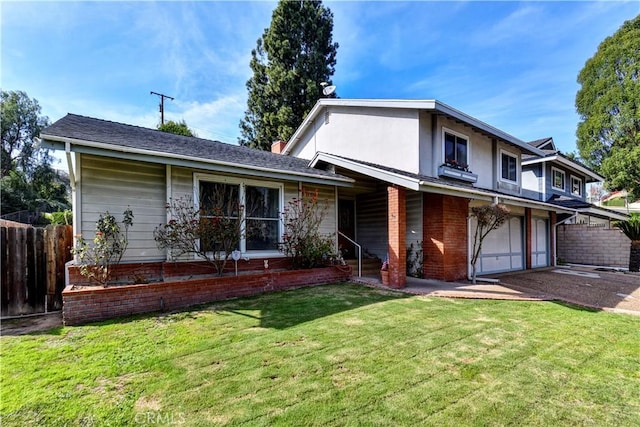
(502, 249)
(539, 245)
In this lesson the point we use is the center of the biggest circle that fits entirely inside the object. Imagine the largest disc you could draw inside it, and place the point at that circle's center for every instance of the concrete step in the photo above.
(370, 267)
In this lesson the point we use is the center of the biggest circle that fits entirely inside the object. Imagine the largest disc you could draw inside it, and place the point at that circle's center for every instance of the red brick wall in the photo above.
(397, 221)
(127, 273)
(94, 304)
(445, 237)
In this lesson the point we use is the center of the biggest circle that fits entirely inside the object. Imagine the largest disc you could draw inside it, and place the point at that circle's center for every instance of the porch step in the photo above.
(370, 267)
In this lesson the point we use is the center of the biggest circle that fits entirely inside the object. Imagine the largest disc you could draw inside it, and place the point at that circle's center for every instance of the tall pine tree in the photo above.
(293, 56)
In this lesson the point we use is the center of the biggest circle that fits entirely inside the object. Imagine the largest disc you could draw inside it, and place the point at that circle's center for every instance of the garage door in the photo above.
(502, 249)
(539, 244)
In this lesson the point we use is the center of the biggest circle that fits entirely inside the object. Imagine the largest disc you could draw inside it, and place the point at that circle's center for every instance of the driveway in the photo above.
(587, 287)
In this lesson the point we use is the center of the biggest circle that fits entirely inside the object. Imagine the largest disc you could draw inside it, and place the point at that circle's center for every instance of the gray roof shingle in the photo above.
(115, 134)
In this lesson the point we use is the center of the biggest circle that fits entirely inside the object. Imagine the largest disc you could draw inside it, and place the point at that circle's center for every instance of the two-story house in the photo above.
(418, 168)
(560, 180)
(395, 173)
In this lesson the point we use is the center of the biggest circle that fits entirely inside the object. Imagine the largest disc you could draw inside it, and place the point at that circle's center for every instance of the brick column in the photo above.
(445, 244)
(553, 218)
(397, 219)
(528, 225)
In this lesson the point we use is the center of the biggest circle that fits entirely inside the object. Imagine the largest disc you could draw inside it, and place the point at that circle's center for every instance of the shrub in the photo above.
(302, 241)
(209, 234)
(109, 245)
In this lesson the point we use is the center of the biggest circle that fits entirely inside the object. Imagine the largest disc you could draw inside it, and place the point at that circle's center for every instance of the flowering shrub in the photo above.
(210, 234)
(109, 245)
(302, 241)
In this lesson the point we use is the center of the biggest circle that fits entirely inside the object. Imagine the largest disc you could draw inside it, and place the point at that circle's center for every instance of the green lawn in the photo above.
(332, 355)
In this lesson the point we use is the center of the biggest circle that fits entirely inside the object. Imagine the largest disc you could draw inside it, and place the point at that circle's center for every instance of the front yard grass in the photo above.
(331, 355)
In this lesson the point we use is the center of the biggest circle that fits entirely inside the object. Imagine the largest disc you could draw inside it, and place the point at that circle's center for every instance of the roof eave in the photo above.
(567, 162)
(118, 151)
(430, 104)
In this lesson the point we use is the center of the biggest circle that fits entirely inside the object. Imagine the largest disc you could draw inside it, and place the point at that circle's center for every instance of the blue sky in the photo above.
(511, 64)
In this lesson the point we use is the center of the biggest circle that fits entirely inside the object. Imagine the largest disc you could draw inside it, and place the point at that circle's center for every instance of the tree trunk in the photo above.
(634, 256)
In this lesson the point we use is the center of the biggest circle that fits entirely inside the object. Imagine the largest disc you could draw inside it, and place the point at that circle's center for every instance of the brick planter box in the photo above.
(91, 304)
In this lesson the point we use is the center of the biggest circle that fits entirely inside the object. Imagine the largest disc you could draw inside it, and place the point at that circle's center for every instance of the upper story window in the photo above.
(256, 204)
(576, 186)
(558, 179)
(508, 166)
(456, 150)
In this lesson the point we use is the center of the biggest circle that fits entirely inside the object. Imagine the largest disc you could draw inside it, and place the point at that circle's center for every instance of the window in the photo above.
(456, 150)
(558, 177)
(260, 213)
(262, 219)
(576, 186)
(509, 166)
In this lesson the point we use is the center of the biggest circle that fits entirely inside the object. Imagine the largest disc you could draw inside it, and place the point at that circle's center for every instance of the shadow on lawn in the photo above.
(281, 310)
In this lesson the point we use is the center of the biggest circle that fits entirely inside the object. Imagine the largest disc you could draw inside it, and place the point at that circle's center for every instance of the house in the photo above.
(419, 167)
(397, 174)
(114, 166)
(560, 180)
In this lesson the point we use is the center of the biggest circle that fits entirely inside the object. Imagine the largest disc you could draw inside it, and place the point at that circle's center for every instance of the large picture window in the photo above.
(256, 204)
(456, 150)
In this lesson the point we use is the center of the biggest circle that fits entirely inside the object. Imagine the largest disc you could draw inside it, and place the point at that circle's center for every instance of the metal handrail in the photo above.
(359, 252)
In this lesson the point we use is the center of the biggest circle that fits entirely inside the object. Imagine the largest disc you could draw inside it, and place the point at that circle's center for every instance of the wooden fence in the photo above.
(33, 268)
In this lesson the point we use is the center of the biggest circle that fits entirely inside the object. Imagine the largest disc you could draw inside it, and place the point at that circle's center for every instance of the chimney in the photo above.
(278, 146)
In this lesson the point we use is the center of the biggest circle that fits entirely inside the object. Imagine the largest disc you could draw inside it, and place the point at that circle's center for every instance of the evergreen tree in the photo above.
(609, 106)
(293, 56)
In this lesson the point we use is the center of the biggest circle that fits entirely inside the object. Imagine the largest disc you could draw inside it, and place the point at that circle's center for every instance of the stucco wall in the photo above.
(375, 135)
(581, 244)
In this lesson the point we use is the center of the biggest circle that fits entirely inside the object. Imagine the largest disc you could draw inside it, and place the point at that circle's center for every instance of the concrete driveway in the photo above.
(604, 289)
(584, 286)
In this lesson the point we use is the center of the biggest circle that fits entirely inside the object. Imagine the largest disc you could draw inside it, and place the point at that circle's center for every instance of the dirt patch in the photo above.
(607, 290)
(31, 324)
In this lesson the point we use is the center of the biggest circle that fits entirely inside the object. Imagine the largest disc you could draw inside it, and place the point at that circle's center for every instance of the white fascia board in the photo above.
(372, 171)
(428, 104)
(487, 195)
(595, 211)
(568, 163)
(98, 148)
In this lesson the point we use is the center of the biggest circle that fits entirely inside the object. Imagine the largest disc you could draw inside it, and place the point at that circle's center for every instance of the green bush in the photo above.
(302, 241)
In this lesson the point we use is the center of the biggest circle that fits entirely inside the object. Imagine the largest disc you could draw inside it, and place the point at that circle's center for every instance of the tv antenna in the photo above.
(162, 97)
(327, 89)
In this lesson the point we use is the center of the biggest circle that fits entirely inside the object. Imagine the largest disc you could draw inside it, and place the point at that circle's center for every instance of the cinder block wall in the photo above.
(581, 244)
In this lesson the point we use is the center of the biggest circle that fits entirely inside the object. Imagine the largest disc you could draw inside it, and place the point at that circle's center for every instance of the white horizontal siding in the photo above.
(112, 185)
(371, 222)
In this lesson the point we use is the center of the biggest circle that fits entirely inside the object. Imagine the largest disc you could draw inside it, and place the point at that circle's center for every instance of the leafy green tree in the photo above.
(21, 124)
(28, 181)
(291, 60)
(608, 103)
(178, 128)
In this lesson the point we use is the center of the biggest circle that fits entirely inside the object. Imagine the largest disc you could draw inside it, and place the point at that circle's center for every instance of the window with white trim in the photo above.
(508, 166)
(558, 179)
(576, 186)
(258, 203)
(456, 150)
